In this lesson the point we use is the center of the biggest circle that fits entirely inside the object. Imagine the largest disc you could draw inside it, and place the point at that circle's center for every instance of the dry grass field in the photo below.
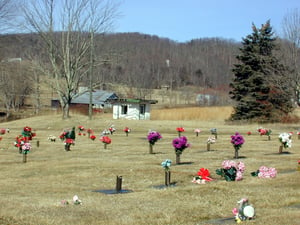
(31, 192)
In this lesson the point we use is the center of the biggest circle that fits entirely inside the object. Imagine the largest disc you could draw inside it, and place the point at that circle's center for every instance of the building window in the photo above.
(124, 109)
(142, 109)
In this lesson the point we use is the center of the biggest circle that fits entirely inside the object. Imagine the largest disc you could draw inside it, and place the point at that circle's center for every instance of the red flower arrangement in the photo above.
(93, 137)
(180, 129)
(127, 130)
(81, 128)
(203, 176)
(105, 140)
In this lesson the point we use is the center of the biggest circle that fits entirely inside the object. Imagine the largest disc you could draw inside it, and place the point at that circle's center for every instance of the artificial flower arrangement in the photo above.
(81, 128)
(180, 144)
(153, 137)
(237, 141)
(214, 132)
(106, 141)
(76, 200)
(298, 134)
(210, 140)
(51, 138)
(90, 132)
(27, 133)
(68, 136)
(4, 130)
(298, 165)
(112, 129)
(203, 176)
(197, 131)
(92, 137)
(249, 133)
(245, 211)
(265, 172)
(26, 147)
(126, 130)
(264, 131)
(231, 170)
(166, 166)
(286, 141)
(19, 142)
(180, 130)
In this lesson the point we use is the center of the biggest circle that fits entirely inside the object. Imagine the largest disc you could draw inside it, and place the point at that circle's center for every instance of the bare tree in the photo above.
(291, 31)
(67, 28)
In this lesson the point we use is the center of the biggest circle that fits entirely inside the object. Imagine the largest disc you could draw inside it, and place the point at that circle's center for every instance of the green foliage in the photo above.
(259, 86)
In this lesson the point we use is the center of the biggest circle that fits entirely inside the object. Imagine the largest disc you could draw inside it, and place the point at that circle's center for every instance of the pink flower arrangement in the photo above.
(263, 131)
(231, 170)
(265, 172)
(197, 131)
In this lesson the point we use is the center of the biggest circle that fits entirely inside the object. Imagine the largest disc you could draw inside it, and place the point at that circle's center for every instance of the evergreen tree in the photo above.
(259, 86)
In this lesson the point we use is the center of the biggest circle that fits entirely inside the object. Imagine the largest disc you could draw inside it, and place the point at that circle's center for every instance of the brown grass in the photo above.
(31, 192)
(193, 113)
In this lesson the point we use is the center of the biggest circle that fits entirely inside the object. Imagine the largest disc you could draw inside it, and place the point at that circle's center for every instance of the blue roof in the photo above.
(98, 97)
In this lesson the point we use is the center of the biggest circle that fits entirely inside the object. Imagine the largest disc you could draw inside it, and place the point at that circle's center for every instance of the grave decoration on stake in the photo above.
(127, 131)
(106, 141)
(112, 129)
(90, 132)
(19, 142)
(202, 177)
(197, 131)
(81, 130)
(299, 165)
(153, 137)
(68, 136)
(27, 133)
(210, 140)
(264, 131)
(180, 130)
(231, 171)
(76, 200)
(214, 132)
(166, 165)
(265, 172)
(26, 148)
(237, 141)
(92, 137)
(286, 141)
(245, 211)
(180, 144)
(298, 134)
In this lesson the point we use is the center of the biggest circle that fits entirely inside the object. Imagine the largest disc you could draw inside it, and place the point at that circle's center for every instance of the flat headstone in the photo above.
(230, 220)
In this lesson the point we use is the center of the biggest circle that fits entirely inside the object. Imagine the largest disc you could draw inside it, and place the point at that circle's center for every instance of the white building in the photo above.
(132, 109)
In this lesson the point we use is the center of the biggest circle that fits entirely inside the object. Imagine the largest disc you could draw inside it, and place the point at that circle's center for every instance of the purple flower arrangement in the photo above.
(237, 140)
(153, 137)
(180, 144)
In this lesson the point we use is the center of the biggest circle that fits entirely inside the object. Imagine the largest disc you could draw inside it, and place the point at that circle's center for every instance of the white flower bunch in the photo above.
(285, 140)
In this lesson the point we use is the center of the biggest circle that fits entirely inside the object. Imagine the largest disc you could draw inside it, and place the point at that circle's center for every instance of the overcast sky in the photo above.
(183, 21)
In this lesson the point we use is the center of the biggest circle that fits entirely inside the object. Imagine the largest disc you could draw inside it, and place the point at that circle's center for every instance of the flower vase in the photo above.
(126, 134)
(105, 145)
(269, 137)
(177, 158)
(24, 157)
(236, 153)
(208, 147)
(179, 134)
(280, 149)
(167, 178)
(150, 148)
(216, 136)
(299, 167)
(298, 136)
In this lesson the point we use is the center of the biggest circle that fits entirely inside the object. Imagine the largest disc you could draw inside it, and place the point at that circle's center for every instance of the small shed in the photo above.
(132, 109)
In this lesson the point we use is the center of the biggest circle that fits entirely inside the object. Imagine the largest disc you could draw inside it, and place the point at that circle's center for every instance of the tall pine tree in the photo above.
(259, 86)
